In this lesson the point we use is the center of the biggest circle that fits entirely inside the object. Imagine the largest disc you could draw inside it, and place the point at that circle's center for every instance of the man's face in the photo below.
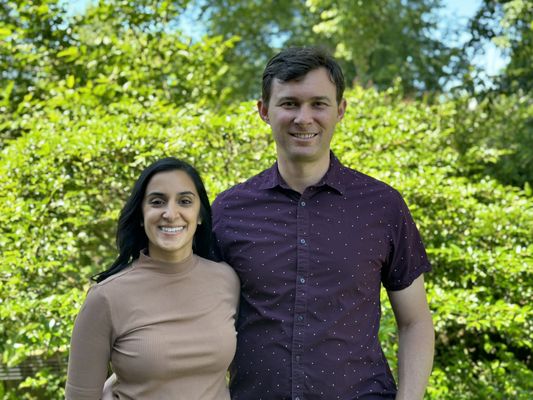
(303, 114)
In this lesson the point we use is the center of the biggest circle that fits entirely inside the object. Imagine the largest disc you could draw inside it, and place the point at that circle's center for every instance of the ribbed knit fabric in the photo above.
(168, 330)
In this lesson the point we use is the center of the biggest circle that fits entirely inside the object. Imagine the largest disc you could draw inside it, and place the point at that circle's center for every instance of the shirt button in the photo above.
(300, 317)
(302, 203)
(302, 280)
(302, 241)
(297, 358)
(296, 398)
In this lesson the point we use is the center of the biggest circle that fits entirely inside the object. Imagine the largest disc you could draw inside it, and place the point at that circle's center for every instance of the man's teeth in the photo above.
(303, 135)
(171, 229)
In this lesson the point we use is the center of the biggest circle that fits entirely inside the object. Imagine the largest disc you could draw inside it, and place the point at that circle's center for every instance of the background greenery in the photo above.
(87, 101)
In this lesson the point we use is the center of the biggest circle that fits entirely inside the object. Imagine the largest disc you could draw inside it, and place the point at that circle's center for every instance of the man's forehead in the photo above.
(313, 84)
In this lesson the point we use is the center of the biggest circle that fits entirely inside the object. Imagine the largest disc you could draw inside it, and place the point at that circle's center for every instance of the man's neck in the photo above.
(301, 175)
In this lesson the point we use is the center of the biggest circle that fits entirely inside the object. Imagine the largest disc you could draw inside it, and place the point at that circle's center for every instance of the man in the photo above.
(312, 241)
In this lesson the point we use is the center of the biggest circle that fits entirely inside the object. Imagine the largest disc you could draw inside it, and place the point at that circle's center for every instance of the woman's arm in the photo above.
(90, 349)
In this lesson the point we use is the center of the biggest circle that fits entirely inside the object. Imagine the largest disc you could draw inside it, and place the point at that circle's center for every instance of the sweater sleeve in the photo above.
(90, 348)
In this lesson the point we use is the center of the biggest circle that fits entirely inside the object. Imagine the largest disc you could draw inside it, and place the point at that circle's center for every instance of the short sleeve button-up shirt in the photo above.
(311, 266)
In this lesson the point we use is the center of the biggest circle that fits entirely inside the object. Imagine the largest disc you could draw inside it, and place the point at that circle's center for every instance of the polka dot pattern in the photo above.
(311, 268)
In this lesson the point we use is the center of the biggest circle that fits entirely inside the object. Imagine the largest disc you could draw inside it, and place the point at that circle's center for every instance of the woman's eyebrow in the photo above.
(187, 192)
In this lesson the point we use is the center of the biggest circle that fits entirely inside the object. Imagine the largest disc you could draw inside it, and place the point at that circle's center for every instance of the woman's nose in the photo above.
(170, 212)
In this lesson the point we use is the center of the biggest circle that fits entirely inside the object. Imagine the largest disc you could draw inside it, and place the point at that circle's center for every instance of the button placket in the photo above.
(300, 310)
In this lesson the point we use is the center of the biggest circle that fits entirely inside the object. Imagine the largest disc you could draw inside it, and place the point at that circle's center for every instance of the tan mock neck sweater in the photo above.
(168, 330)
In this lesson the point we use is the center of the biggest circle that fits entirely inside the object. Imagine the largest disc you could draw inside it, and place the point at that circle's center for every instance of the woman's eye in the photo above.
(186, 201)
(156, 202)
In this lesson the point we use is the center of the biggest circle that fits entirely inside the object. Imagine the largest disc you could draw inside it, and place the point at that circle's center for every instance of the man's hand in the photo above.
(107, 393)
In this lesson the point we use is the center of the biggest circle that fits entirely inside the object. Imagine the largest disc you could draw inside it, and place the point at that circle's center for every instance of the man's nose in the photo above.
(304, 115)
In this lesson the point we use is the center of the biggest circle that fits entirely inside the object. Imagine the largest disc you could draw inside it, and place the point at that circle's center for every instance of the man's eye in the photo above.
(288, 104)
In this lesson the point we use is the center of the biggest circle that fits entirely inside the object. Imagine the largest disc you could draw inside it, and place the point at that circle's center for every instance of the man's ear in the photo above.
(262, 108)
(341, 109)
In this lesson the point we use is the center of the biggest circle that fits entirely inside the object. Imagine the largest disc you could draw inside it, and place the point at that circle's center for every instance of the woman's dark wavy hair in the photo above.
(131, 237)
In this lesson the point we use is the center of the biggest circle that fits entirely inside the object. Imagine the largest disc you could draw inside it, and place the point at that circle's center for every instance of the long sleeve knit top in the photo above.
(168, 330)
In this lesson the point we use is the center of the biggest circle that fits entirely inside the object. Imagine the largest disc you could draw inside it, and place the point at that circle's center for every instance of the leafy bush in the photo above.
(63, 182)
(62, 186)
(478, 234)
(495, 137)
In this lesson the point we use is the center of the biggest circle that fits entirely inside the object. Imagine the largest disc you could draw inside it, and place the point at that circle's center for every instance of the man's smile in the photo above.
(303, 135)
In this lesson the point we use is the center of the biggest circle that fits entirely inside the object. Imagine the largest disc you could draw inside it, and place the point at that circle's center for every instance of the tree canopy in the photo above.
(376, 42)
(509, 24)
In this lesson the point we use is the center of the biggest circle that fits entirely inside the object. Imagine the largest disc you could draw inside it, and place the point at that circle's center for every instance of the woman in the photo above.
(163, 314)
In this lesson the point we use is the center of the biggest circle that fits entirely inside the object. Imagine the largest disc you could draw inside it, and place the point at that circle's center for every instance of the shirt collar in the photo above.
(333, 177)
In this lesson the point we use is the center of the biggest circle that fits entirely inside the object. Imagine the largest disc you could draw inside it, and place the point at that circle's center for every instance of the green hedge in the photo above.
(64, 180)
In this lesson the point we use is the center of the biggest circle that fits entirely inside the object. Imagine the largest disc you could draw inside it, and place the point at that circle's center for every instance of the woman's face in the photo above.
(171, 213)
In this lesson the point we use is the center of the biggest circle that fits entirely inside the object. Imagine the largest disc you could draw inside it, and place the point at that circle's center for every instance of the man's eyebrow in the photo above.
(287, 98)
(292, 98)
(321, 98)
